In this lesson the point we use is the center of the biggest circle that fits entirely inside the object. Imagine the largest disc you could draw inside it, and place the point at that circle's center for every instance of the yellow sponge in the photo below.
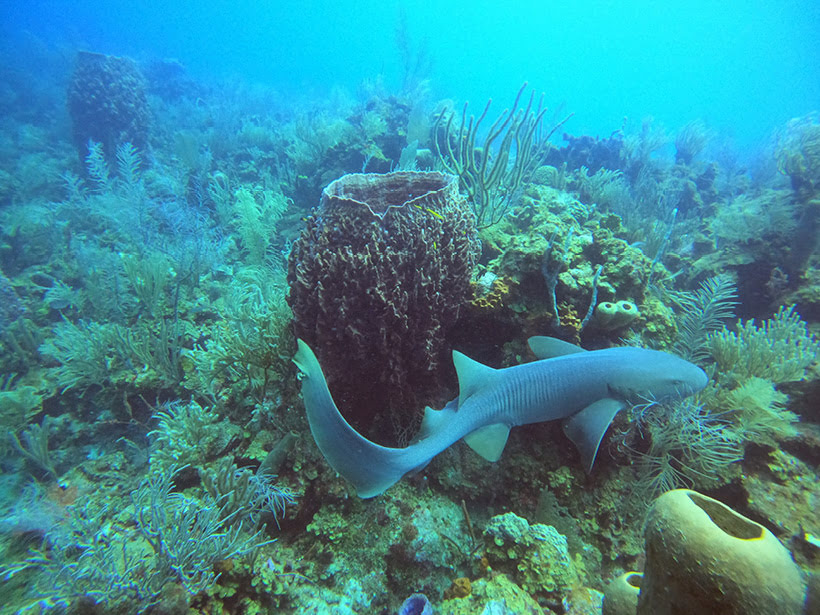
(610, 315)
(703, 557)
(621, 595)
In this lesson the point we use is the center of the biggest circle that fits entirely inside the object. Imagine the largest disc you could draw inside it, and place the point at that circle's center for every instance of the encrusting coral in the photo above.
(536, 555)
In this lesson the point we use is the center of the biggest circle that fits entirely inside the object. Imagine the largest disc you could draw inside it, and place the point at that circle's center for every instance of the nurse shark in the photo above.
(585, 389)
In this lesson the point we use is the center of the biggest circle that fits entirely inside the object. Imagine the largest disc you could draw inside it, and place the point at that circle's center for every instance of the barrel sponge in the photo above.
(107, 102)
(377, 278)
(703, 557)
(621, 595)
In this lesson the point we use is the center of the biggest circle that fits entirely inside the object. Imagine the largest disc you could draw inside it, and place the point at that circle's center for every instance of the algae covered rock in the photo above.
(703, 557)
(496, 595)
(536, 555)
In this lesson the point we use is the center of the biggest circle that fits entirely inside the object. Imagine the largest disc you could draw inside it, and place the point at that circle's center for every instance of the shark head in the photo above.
(633, 376)
(656, 376)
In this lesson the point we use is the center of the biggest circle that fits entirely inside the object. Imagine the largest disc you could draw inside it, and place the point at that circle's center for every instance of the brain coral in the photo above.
(376, 279)
(107, 103)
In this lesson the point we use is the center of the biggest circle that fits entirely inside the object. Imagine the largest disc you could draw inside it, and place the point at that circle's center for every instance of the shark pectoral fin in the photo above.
(489, 441)
(587, 428)
(549, 347)
(472, 375)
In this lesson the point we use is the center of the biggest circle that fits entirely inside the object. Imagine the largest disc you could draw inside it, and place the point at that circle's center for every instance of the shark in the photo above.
(584, 389)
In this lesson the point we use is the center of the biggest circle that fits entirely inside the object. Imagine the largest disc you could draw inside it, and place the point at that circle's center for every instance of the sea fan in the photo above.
(128, 164)
(704, 311)
(97, 167)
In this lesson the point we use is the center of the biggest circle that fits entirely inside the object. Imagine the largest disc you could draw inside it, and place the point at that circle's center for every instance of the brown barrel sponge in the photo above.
(377, 278)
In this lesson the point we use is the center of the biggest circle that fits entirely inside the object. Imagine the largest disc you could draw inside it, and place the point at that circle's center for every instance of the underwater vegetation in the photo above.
(165, 244)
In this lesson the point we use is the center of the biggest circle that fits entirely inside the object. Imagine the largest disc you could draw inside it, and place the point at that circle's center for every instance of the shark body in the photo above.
(584, 388)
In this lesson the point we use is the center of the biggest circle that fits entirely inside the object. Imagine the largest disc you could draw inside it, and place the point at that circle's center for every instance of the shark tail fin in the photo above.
(371, 468)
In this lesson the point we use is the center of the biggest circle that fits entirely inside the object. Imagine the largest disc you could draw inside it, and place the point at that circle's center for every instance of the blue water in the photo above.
(744, 67)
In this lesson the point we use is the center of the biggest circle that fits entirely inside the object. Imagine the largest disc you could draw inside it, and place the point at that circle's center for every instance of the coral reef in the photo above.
(547, 266)
(157, 456)
(377, 278)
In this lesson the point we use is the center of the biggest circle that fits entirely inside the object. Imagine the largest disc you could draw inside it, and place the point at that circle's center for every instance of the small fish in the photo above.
(429, 211)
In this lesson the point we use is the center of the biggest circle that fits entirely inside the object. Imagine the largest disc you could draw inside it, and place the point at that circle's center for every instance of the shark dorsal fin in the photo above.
(472, 376)
(587, 428)
(489, 441)
(549, 347)
(434, 420)
(429, 423)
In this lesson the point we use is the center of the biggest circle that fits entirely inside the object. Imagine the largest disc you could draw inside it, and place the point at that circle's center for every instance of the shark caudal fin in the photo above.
(371, 468)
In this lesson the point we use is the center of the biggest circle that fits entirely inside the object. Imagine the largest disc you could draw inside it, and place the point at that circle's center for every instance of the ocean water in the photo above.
(425, 196)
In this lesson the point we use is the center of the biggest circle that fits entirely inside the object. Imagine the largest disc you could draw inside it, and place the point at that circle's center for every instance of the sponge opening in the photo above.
(726, 519)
